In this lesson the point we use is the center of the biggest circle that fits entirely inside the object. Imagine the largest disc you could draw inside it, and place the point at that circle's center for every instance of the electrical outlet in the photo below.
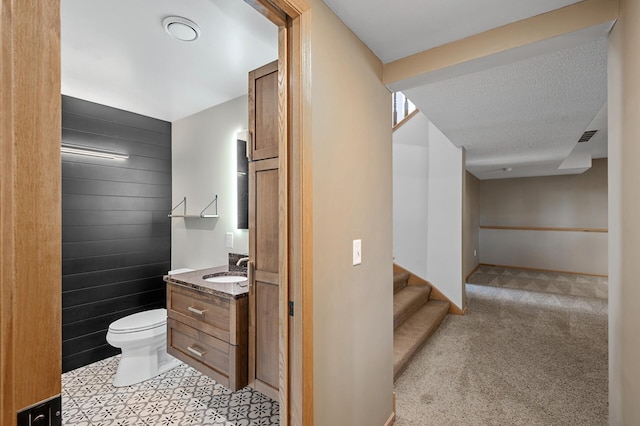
(229, 240)
(357, 252)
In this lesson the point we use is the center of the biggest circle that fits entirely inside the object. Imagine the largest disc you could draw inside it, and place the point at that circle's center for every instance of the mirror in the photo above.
(243, 181)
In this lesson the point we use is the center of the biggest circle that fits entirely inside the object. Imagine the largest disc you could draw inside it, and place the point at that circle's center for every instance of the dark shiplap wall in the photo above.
(116, 236)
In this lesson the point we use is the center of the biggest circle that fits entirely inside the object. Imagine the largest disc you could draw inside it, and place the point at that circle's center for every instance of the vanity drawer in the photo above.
(201, 311)
(212, 356)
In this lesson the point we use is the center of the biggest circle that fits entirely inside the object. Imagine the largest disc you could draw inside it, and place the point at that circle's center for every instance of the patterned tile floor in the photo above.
(182, 396)
(541, 281)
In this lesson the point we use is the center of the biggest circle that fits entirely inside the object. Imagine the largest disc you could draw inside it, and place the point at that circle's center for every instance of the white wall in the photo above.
(470, 224)
(428, 173)
(410, 194)
(444, 218)
(203, 165)
(579, 252)
(571, 201)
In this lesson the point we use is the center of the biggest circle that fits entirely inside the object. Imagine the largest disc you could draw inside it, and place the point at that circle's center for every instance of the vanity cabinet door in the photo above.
(263, 112)
(264, 288)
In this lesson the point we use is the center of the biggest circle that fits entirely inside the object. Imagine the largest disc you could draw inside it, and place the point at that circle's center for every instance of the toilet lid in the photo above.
(140, 321)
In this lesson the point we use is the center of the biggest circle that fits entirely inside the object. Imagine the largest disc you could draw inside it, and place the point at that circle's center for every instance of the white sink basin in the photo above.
(227, 279)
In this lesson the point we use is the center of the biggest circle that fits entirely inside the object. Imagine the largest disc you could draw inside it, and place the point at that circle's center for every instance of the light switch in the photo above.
(229, 240)
(357, 252)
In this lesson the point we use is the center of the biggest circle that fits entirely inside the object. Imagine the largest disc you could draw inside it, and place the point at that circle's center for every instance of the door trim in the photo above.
(293, 18)
(30, 243)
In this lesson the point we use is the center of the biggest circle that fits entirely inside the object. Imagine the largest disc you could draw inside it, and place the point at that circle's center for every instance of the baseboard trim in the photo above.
(472, 272)
(544, 228)
(526, 268)
(391, 420)
(435, 293)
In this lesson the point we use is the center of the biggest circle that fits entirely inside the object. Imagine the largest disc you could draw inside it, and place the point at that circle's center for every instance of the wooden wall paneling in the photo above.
(116, 236)
(29, 205)
(77, 170)
(126, 118)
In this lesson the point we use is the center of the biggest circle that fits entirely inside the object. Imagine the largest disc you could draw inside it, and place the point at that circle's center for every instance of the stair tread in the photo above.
(407, 301)
(414, 331)
(400, 280)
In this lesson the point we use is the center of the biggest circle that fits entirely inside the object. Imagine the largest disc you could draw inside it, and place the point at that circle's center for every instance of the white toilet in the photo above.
(142, 337)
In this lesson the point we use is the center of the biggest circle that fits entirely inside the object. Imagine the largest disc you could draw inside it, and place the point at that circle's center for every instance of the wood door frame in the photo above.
(293, 18)
(30, 206)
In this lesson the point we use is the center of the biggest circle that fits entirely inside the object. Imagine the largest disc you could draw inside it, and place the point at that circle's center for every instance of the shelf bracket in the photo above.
(202, 213)
(182, 203)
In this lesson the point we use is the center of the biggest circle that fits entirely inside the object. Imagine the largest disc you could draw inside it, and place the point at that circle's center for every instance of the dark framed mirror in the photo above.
(243, 181)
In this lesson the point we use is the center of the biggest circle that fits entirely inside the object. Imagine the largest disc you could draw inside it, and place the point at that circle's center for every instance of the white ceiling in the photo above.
(518, 113)
(527, 115)
(523, 109)
(117, 53)
(399, 28)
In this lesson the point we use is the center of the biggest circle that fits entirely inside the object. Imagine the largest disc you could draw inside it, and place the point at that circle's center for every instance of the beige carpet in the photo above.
(518, 357)
(548, 282)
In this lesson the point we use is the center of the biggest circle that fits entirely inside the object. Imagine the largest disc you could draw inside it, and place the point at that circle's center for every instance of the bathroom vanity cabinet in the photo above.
(208, 329)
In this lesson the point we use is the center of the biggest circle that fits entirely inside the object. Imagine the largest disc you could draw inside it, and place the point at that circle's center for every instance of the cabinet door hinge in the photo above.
(290, 308)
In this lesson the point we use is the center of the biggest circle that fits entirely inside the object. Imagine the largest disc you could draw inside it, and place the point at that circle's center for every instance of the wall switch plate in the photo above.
(475, 252)
(357, 252)
(229, 240)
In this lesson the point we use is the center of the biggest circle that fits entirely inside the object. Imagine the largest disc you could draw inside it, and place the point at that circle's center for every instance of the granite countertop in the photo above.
(196, 281)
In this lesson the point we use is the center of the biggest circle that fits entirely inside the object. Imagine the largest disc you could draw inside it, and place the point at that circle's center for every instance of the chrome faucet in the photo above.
(244, 259)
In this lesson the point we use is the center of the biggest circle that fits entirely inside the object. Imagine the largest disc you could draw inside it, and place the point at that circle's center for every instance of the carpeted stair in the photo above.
(415, 318)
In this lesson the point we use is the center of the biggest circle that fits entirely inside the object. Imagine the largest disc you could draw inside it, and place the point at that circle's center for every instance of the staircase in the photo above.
(415, 316)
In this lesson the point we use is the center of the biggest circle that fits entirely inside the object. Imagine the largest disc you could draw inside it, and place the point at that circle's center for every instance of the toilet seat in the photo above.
(141, 321)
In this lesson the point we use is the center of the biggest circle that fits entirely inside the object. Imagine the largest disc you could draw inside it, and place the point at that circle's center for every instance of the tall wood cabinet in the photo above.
(263, 112)
(264, 231)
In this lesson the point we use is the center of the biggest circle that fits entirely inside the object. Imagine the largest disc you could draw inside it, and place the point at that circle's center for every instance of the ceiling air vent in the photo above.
(586, 136)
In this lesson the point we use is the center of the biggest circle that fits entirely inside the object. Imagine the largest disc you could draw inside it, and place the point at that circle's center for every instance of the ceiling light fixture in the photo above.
(92, 152)
(181, 28)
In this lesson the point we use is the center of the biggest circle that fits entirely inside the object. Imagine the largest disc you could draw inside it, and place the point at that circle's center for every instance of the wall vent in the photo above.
(586, 136)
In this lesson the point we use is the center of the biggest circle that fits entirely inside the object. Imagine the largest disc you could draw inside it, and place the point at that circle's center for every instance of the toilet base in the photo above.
(138, 365)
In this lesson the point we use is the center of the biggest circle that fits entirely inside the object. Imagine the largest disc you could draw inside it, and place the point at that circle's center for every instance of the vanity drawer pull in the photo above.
(196, 311)
(196, 352)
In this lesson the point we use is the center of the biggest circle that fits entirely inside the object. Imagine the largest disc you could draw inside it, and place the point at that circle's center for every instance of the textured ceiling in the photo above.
(527, 115)
(395, 29)
(117, 53)
(523, 109)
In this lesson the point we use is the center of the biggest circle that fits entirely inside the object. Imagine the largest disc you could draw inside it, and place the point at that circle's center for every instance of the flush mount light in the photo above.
(92, 152)
(181, 28)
